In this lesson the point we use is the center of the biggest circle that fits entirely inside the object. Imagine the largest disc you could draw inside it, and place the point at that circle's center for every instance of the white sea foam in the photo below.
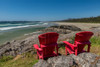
(8, 28)
(9, 24)
(45, 24)
(40, 22)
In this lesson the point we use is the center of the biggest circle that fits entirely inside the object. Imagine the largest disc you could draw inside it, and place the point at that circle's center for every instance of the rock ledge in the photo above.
(82, 60)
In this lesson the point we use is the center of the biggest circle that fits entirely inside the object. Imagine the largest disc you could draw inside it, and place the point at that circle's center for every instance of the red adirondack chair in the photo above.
(81, 40)
(48, 43)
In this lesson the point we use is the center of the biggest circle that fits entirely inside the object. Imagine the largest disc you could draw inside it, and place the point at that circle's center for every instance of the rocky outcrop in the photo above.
(62, 29)
(67, 27)
(82, 60)
(18, 47)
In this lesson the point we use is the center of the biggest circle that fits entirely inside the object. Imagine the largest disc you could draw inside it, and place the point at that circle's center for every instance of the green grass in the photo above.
(25, 60)
(6, 58)
(95, 40)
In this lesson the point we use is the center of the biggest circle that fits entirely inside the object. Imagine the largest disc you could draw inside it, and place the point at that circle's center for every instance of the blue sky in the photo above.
(47, 10)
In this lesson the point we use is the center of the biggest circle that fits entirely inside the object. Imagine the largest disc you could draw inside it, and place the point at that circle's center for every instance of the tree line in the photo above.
(90, 19)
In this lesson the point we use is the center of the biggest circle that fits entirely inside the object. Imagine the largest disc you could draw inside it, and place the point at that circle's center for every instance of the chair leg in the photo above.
(76, 52)
(88, 50)
(37, 55)
(66, 50)
(57, 50)
(42, 58)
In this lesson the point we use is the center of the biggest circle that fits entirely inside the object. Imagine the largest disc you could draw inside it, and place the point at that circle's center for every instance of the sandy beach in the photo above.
(83, 26)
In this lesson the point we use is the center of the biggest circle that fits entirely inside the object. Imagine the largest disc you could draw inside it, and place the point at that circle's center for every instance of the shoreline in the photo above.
(83, 26)
(17, 34)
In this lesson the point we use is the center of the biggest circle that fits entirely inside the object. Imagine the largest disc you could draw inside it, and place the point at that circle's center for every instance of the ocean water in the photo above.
(12, 30)
(21, 24)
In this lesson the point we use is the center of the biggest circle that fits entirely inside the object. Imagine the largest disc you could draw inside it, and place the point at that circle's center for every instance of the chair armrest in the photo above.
(72, 45)
(37, 47)
(87, 42)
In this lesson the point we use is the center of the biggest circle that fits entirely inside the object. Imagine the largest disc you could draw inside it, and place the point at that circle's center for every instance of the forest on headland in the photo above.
(89, 19)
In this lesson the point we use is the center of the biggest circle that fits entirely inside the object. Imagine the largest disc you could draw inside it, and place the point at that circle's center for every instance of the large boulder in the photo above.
(67, 27)
(82, 60)
(62, 29)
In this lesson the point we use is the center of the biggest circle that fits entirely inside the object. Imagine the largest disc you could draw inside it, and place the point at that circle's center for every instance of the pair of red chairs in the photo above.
(49, 47)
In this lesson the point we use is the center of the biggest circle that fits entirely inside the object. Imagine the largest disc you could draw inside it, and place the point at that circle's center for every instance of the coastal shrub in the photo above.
(72, 39)
(63, 47)
(84, 20)
(95, 40)
(6, 58)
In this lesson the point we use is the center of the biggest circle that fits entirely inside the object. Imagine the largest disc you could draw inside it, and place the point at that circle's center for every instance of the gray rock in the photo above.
(42, 63)
(18, 47)
(60, 61)
(62, 29)
(82, 60)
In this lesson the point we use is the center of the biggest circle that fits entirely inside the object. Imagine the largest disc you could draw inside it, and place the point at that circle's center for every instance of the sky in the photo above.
(47, 10)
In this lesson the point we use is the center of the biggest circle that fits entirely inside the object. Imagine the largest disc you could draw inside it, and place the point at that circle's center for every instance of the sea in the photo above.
(10, 30)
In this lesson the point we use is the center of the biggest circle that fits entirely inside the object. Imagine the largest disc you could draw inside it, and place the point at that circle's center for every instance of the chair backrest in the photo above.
(48, 50)
(83, 36)
(48, 38)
